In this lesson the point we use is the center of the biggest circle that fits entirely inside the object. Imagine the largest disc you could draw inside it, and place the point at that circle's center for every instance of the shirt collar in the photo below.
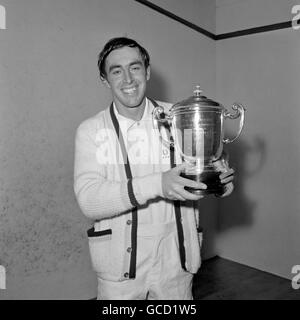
(126, 123)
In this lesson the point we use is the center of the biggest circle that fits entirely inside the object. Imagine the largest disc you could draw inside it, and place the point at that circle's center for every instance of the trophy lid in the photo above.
(196, 102)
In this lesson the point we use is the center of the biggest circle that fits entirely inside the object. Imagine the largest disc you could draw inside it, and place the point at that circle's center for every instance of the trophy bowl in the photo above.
(197, 130)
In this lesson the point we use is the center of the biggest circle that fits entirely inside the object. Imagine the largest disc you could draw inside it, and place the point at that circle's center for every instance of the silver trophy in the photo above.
(197, 132)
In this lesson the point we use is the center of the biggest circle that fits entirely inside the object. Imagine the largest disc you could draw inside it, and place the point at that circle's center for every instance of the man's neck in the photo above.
(134, 113)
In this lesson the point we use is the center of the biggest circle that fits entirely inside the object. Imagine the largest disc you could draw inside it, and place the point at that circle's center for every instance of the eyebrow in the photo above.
(115, 66)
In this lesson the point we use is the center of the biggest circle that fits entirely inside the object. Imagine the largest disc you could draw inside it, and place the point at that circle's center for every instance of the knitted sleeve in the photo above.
(97, 196)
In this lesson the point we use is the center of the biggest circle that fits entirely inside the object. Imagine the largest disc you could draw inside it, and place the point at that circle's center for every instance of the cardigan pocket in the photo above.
(100, 249)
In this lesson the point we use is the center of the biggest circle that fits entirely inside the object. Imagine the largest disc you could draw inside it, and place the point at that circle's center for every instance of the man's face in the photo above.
(126, 77)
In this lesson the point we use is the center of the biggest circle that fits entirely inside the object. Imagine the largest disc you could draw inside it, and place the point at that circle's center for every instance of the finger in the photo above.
(227, 179)
(228, 190)
(188, 195)
(226, 174)
(219, 165)
(191, 183)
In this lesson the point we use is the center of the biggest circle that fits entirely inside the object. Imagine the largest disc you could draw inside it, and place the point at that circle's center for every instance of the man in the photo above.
(144, 244)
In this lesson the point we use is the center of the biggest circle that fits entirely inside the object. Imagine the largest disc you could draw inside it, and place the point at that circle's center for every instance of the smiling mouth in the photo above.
(129, 91)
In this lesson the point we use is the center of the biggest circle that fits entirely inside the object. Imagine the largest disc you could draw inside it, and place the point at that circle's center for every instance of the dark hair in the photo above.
(117, 43)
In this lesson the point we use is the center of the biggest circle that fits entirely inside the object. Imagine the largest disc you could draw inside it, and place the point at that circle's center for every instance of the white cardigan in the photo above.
(101, 189)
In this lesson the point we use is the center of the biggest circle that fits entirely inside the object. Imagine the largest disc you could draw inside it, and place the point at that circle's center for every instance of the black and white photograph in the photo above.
(149, 150)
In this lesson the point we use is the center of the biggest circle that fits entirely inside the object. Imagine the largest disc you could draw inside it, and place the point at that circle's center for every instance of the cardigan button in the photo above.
(126, 274)
(129, 222)
(129, 249)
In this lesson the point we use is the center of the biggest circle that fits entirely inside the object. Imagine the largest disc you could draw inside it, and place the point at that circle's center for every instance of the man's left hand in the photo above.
(226, 179)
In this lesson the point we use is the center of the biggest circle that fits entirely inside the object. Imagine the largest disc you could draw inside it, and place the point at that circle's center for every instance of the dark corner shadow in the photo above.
(218, 215)
(156, 87)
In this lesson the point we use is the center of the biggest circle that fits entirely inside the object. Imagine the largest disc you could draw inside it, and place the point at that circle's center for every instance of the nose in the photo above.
(127, 76)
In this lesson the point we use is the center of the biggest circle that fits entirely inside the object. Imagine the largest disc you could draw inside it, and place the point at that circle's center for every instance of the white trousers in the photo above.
(159, 275)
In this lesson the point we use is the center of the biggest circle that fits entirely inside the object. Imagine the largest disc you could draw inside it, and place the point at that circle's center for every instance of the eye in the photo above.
(136, 67)
(116, 72)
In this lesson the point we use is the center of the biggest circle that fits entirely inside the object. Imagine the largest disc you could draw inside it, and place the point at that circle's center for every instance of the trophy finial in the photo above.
(197, 91)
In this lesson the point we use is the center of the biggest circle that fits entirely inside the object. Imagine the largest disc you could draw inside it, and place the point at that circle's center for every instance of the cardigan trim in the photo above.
(132, 266)
(177, 210)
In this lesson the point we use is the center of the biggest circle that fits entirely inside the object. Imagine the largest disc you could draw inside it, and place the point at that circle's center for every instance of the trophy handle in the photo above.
(159, 116)
(239, 112)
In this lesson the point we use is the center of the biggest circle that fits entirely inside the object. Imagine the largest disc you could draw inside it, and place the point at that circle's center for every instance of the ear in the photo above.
(106, 83)
(148, 72)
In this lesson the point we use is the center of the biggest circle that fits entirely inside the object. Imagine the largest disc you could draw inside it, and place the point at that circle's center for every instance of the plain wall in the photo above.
(234, 15)
(259, 224)
(49, 83)
(202, 13)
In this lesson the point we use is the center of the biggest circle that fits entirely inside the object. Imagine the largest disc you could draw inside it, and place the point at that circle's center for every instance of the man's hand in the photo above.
(226, 178)
(173, 185)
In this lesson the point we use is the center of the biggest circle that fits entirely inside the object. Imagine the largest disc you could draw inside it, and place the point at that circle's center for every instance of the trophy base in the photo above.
(210, 178)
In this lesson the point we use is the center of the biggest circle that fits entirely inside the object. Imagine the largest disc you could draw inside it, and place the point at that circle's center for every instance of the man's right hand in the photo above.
(173, 185)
